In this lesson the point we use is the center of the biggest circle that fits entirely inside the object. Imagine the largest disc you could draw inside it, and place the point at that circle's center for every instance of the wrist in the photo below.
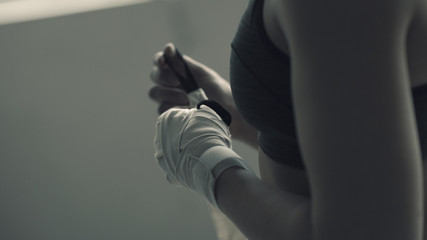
(218, 160)
(225, 182)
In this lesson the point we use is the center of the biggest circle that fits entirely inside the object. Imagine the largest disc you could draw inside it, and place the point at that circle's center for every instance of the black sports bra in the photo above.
(261, 86)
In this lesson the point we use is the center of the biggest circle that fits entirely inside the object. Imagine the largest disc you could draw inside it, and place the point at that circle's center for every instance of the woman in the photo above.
(342, 139)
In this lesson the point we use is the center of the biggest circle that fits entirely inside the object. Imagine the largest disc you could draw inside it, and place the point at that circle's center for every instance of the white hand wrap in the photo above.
(196, 96)
(193, 147)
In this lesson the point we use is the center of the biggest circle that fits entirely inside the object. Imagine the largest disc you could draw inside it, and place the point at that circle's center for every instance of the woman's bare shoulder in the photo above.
(312, 13)
(350, 94)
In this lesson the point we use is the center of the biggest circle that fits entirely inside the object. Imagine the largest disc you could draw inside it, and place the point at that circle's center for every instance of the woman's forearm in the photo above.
(261, 211)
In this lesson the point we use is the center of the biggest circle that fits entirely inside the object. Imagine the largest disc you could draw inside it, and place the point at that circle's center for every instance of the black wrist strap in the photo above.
(220, 110)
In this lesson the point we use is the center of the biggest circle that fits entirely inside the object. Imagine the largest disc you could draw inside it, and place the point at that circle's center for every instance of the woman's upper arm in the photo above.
(355, 118)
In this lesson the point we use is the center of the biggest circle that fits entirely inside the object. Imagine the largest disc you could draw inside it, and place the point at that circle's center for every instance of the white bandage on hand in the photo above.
(196, 96)
(193, 147)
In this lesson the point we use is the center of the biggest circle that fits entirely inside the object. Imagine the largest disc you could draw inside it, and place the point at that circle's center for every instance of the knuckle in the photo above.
(156, 57)
(167, 78)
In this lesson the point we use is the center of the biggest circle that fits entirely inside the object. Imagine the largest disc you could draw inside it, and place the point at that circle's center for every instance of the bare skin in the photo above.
(295, 180)
(168, 93)
(276, 175)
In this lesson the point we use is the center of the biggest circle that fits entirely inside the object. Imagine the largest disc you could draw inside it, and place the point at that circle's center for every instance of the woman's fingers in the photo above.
(168, 97)
(167, 91)
(162, 94)
(164, 77)
(159, 60)
(164, 106)
(161, 72)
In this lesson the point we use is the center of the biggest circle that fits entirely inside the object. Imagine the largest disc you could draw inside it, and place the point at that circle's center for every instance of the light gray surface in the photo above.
(18, 11)
(76, 125)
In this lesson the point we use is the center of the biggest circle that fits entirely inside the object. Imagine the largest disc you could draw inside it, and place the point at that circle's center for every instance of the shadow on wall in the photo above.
(76, 124)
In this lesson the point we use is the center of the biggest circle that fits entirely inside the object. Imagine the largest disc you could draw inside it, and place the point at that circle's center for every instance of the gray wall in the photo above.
(76, 125)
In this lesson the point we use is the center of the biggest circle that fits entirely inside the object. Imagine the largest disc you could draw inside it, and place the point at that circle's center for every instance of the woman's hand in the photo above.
(193, 147)
(169, 93)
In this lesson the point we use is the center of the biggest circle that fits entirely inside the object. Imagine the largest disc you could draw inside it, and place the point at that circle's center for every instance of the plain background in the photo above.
(77, 126)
